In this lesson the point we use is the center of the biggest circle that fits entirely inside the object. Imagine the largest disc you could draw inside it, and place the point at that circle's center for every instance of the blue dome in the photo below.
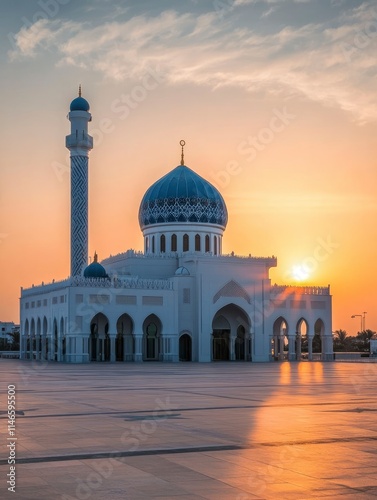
(182, 271)
(95, 270)
(79, 104)
(182, 196)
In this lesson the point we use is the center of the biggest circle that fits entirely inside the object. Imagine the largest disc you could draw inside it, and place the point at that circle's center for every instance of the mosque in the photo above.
(181, 298)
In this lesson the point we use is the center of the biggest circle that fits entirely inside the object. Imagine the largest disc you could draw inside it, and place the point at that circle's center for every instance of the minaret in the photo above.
(79, 144)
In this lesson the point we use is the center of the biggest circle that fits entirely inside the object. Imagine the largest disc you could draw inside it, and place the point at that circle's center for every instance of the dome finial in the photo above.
(95, 258)
(182, 143)
(80, 90)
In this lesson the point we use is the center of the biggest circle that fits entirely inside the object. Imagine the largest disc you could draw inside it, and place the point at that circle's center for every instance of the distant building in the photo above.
(180, 298)
(6, 328)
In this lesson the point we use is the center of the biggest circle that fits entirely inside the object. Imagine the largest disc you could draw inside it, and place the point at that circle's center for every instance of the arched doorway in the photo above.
(280, 339)
(152, 338)
(319, 329)
(221, 339)
(99, 344)
(185, 347)
(124, 343)
(302, 346)
(231, 334)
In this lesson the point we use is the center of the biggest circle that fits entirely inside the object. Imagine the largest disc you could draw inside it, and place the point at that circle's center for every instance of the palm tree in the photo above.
(363, 338)
(341, 340)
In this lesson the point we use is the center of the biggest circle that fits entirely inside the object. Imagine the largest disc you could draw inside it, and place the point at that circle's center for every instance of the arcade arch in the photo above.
(99, 345)
(152, 329)
(125, 342)
(231, 334)
(185, 347)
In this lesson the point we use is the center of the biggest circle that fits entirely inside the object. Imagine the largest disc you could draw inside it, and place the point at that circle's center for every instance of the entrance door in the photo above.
(239, 346)
(221, 350)
(151, 342)
(185, 348)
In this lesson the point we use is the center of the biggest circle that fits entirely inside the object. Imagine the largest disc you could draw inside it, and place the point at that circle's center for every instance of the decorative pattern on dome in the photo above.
(182, 196)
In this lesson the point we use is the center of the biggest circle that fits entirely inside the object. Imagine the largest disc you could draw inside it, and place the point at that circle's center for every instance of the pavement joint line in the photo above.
(22, 413)
(120, 454)
(194, 449)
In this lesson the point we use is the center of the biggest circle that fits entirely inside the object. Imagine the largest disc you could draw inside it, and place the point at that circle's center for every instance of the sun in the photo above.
(300, 272)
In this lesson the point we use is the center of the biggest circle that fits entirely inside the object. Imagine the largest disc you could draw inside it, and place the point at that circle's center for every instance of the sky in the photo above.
(276, 102)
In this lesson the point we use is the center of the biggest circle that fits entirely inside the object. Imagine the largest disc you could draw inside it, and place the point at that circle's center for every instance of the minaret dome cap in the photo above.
(79, 104)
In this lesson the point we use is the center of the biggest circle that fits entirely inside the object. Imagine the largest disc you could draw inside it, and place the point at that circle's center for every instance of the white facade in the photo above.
(179, 299)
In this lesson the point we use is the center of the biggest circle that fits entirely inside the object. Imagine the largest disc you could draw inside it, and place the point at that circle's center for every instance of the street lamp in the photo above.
(361, 320)
(364, 313)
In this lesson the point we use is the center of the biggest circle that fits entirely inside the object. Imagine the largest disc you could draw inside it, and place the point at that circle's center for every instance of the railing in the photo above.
(168, 255)
(82, 139)
(10, 354)
(137, 254)
(44, 287)
(80, 281)
(349, 356)
(302, 290)
(140, 283)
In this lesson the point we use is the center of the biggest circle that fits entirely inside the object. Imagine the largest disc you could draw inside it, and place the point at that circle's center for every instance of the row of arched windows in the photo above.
(40, 327)
(199, 244)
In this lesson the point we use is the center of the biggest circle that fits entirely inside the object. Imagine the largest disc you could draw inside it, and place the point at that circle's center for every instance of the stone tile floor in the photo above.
(191, 431)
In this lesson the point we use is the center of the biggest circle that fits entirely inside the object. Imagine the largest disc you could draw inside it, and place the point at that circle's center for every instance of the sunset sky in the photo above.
(276, 100)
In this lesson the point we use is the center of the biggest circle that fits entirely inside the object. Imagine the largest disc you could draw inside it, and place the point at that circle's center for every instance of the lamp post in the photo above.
(361, 320)
(364, 313)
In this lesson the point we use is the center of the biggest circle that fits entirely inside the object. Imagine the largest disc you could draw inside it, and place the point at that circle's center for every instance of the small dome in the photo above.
(182, 271)
(95, 270)
(182, 196)
(79, 104)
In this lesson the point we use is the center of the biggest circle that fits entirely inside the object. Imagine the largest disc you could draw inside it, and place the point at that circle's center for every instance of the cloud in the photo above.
(239, 3)
(268, 12)
(318, 61)
(43, 34)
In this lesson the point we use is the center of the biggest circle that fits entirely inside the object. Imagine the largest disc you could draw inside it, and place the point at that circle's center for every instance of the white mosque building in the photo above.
(181, 299)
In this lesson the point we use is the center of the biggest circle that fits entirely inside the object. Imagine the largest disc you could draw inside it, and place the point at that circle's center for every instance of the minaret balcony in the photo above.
(80, 140)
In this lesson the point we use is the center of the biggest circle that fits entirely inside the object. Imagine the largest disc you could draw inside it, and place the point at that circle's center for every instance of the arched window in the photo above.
(162, 244)
(207, 247)
(197, 243)
(185, 243)
(173, 243)
(153, 246)
(215, 245)
(147, 244)
(151, 330)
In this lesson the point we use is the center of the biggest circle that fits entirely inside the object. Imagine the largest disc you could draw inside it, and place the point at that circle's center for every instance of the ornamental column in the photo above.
(281, 351)
(138, 354)
(79, 144)
(112, 348)
(310, 347)
(298, 349)
(291, 347)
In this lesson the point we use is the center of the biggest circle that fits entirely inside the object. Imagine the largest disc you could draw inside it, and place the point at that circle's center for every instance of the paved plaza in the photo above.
(191, 431)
